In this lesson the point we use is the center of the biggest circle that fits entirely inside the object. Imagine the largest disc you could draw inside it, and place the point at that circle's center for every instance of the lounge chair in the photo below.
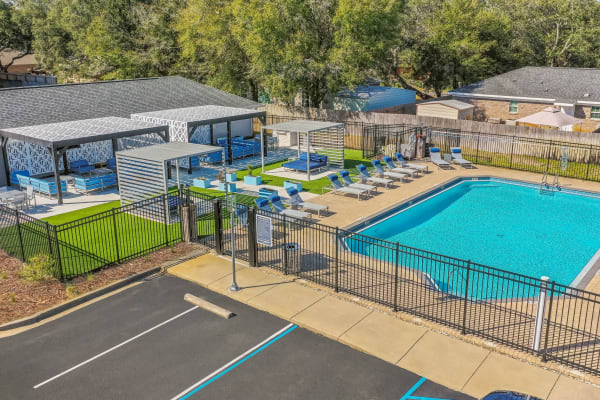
(436, 158)
(81, 166)
(296, 201)
(389, 163)
(338, 188)
(387, 174)
(457, 158)
(281, 209)
(366, 177)
(348, 182)
(263, 204)
(418, 167)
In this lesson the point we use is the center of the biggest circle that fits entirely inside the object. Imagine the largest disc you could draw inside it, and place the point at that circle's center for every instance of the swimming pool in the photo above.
(499, 223)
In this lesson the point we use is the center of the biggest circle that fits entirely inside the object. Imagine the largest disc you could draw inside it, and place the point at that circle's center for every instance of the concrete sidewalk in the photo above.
(463, 366)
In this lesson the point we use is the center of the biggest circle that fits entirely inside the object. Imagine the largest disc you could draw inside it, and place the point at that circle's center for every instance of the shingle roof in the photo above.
(559, 84)
(58, 103)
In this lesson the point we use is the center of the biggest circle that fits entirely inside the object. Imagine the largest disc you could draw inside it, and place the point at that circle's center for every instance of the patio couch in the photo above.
(13, 177)
(81, 166)
(316, 161)
(42, 186)
(85, 185)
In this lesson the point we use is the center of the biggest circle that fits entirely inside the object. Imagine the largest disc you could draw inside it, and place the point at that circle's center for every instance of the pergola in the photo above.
(186, 122)
(143, 172)
(59, 137)
(325, 137)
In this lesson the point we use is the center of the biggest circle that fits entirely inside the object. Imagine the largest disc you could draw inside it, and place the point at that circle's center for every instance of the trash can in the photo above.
(293, 257)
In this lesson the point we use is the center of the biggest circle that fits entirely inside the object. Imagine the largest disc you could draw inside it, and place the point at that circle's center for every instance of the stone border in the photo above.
(111, 287)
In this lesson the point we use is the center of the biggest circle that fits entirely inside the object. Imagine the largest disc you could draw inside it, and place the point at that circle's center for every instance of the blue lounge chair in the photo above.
(457, 158)
(81, 166)
(263, 204)
(111, 163)
(389, 163)
(386, 174)
(281, 209)
(436, 158)
(348, 182)
(337, 187)
(242, 215)
(296, 201)
(366, 177)
(402, 161)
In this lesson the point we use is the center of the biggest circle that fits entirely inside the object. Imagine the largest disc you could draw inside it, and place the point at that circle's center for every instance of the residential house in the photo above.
(507, 97)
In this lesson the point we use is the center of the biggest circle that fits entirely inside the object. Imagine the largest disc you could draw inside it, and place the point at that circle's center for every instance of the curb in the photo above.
(42, 315)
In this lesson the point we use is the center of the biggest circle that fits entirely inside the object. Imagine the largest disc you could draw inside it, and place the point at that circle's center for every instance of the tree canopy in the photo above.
(311, 47)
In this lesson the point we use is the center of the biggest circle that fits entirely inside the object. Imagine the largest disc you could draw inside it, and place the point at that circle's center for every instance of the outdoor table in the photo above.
(7, 193)
(68, 179)
(101, 172)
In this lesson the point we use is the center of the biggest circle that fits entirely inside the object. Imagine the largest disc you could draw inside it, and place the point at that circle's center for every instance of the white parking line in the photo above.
(115, 347)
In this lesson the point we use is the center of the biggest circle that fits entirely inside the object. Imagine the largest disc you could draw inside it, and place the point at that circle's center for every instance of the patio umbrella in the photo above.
(550, 117)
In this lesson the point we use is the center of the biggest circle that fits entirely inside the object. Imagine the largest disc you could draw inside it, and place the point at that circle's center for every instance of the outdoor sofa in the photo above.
(85, 185)
(81, 166)
(315, 161)
(42, 186)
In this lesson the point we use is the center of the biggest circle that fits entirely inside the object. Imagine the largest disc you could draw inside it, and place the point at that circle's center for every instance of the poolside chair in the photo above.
(29, 196)
(366, 177)
(389, 163)
(436, 158)
(281, 209)
(242, 215)
(348, 182)
(418, 167)
(387, 174)
(296, 201)
(457, 158)
(263, 204)
(338, 188)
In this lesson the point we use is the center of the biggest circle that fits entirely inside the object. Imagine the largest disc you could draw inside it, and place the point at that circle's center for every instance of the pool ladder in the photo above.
(546, 187)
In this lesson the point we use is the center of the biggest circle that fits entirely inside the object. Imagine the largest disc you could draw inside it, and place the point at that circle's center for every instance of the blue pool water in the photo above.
(499, 224)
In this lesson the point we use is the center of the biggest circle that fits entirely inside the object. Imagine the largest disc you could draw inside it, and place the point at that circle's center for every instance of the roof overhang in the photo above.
(72, 133)
(202, 115)
(169, 151)
(303, 126)
(499, 97)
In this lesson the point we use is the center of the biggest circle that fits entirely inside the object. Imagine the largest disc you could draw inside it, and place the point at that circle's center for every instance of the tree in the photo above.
(15, 33)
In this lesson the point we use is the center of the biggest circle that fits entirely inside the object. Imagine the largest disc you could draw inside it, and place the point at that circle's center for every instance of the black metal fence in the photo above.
(553, 321)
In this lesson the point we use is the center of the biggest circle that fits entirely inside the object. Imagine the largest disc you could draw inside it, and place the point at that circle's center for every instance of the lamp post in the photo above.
(234, 286)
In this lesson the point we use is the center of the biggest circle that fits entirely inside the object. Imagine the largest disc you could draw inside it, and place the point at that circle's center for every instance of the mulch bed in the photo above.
(19, 298)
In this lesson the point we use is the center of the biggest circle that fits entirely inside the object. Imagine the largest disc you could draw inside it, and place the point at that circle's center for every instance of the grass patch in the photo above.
(84, 212)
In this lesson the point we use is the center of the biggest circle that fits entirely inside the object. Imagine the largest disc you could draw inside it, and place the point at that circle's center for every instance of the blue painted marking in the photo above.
(255, 352)
(425, 398)
(412, 389)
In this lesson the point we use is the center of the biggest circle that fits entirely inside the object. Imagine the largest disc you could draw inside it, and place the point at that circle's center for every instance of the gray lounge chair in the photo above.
(436, 158)
(366, 177)
(389, 163)
(457, 158)
(337, 187)
(348, 182)
(296, 201)
(281, 209)
(387, 174)
(418, 167)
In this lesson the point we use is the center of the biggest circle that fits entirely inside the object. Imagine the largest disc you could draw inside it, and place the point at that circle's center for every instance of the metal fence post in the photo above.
(218, 227)
(587, 170)
(20, 235)
(114, 219)
(58, 256)
(548, 158)
(166, 218)
(48, 233)
(466, 299)
(252, 245)
(541, 311)
(545, 353)
(397, 264)
(337, 258)
(285, 260)
(477, 151)
(512, 150)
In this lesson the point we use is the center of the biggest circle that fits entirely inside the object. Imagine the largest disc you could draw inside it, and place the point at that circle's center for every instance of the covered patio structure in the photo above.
(550, 117)
(322, 137)
(54, 140)
(197, 124)
(143, 172)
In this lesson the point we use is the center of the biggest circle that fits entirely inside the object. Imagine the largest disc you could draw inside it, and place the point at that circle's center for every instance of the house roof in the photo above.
(366, 92)
(71, 133)
(202, 115)
(7, 56)
(457, 105)
(563, 85)
(26, 106)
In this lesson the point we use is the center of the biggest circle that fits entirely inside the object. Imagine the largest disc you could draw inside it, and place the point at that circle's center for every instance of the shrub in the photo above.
(12, 298)
(71, 290)
(3, 275)
(38, 268)
(90, 277)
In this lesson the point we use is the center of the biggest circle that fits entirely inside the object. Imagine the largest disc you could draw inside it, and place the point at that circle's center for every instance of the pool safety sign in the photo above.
(264, 230)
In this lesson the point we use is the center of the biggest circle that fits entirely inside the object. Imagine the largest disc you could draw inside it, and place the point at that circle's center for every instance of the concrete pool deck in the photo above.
(466, 364)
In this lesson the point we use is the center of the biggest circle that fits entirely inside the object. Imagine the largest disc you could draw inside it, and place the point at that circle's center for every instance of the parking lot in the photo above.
(147, 342)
